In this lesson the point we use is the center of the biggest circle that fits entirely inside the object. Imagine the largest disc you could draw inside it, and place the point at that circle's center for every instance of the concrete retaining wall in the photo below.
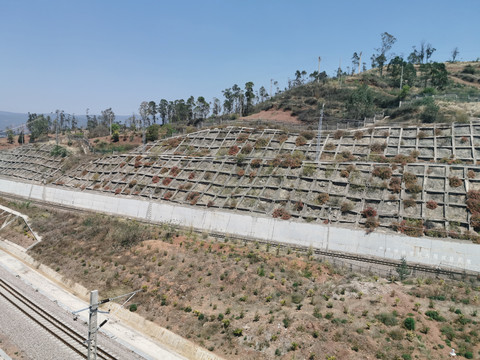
(436, 252)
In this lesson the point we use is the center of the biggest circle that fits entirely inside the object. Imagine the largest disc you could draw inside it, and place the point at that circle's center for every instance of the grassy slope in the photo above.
(305, 101)
(286, 305)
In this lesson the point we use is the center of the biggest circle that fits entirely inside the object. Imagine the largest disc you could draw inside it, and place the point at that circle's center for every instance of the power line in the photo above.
(92, 318)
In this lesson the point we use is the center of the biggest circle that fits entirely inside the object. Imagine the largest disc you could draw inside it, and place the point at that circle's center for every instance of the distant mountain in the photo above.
(10, 119)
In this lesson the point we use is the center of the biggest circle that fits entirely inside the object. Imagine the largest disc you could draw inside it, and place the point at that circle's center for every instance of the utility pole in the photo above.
(339, 72)
(319, 60)
(92, 319)
(56, 128)
(92, 326)
(271, 93)
(319, 133)
(359, 61)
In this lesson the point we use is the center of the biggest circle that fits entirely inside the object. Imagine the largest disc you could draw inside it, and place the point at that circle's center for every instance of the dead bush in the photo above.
(432, 204)
(346, 206)
(454, 181)
(247, 149)
(300, 141)
(378, 147)
(233, 150)
(383, 172)
(395, 185)
(330, 146)
(322, 198)
(357, 135)
(298, 206)
(409, 203)
(281, 213)
(369, 212)
(338, 134)
(309, 135)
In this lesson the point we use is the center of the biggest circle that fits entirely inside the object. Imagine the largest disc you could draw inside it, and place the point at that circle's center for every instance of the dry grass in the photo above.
(204, 290)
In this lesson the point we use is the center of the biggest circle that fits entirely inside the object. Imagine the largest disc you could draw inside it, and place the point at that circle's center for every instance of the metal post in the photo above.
(92, 326)
(56, 130)
(359, 62)
(318, 78)
(319, 134)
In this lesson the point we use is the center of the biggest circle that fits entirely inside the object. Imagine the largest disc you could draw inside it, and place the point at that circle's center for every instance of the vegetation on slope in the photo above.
(253, 301)
(359, 96)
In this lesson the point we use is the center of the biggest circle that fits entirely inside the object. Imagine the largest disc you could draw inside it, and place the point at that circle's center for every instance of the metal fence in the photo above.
(450, 97)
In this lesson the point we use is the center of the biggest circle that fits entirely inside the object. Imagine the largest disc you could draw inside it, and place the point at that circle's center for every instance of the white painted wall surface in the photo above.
(437, 252)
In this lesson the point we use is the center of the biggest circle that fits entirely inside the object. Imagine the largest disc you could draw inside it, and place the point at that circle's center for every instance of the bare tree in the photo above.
(355, 61)
(379, 59)
(455, 53)
(144, 112)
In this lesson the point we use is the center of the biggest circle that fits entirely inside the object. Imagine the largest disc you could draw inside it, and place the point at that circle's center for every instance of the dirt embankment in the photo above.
(274, 115)
(252, 301)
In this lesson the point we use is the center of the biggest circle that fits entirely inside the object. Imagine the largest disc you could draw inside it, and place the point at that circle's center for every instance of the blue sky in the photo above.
(73, 55)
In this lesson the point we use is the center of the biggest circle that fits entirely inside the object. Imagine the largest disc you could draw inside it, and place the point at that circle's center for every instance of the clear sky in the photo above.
(73, 55)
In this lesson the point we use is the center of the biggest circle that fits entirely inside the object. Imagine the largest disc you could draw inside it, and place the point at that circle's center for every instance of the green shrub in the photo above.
(237, 332)
(133, 307)
(429, 91)
(152, 132)
(430, 112)
(59, 151)
(308, 170)
(396, 334)
(309, 135)
(389, 319)
(297, 298)
(409, 323)
(434, 315)
(469, 69)
(448, 331)
(115, 136)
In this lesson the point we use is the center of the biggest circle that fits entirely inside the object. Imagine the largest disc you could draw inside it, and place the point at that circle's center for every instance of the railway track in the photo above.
(61, 331)
(364, 259)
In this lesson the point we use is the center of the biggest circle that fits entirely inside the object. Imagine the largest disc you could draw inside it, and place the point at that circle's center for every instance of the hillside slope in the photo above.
(342, 97)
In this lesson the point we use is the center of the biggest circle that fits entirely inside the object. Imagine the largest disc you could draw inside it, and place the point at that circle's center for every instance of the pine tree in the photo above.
(402, 269)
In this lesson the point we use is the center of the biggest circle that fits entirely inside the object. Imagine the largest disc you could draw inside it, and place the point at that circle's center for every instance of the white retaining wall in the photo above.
(436, 252)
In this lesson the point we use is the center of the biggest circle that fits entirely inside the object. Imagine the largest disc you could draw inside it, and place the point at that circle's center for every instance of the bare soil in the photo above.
(4, 145)
(123, 139)
(12, 349)
(274, 115)
(244, 300)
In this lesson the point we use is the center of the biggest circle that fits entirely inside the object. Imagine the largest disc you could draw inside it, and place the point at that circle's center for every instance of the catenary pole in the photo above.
(319, 133)
(92, 326)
